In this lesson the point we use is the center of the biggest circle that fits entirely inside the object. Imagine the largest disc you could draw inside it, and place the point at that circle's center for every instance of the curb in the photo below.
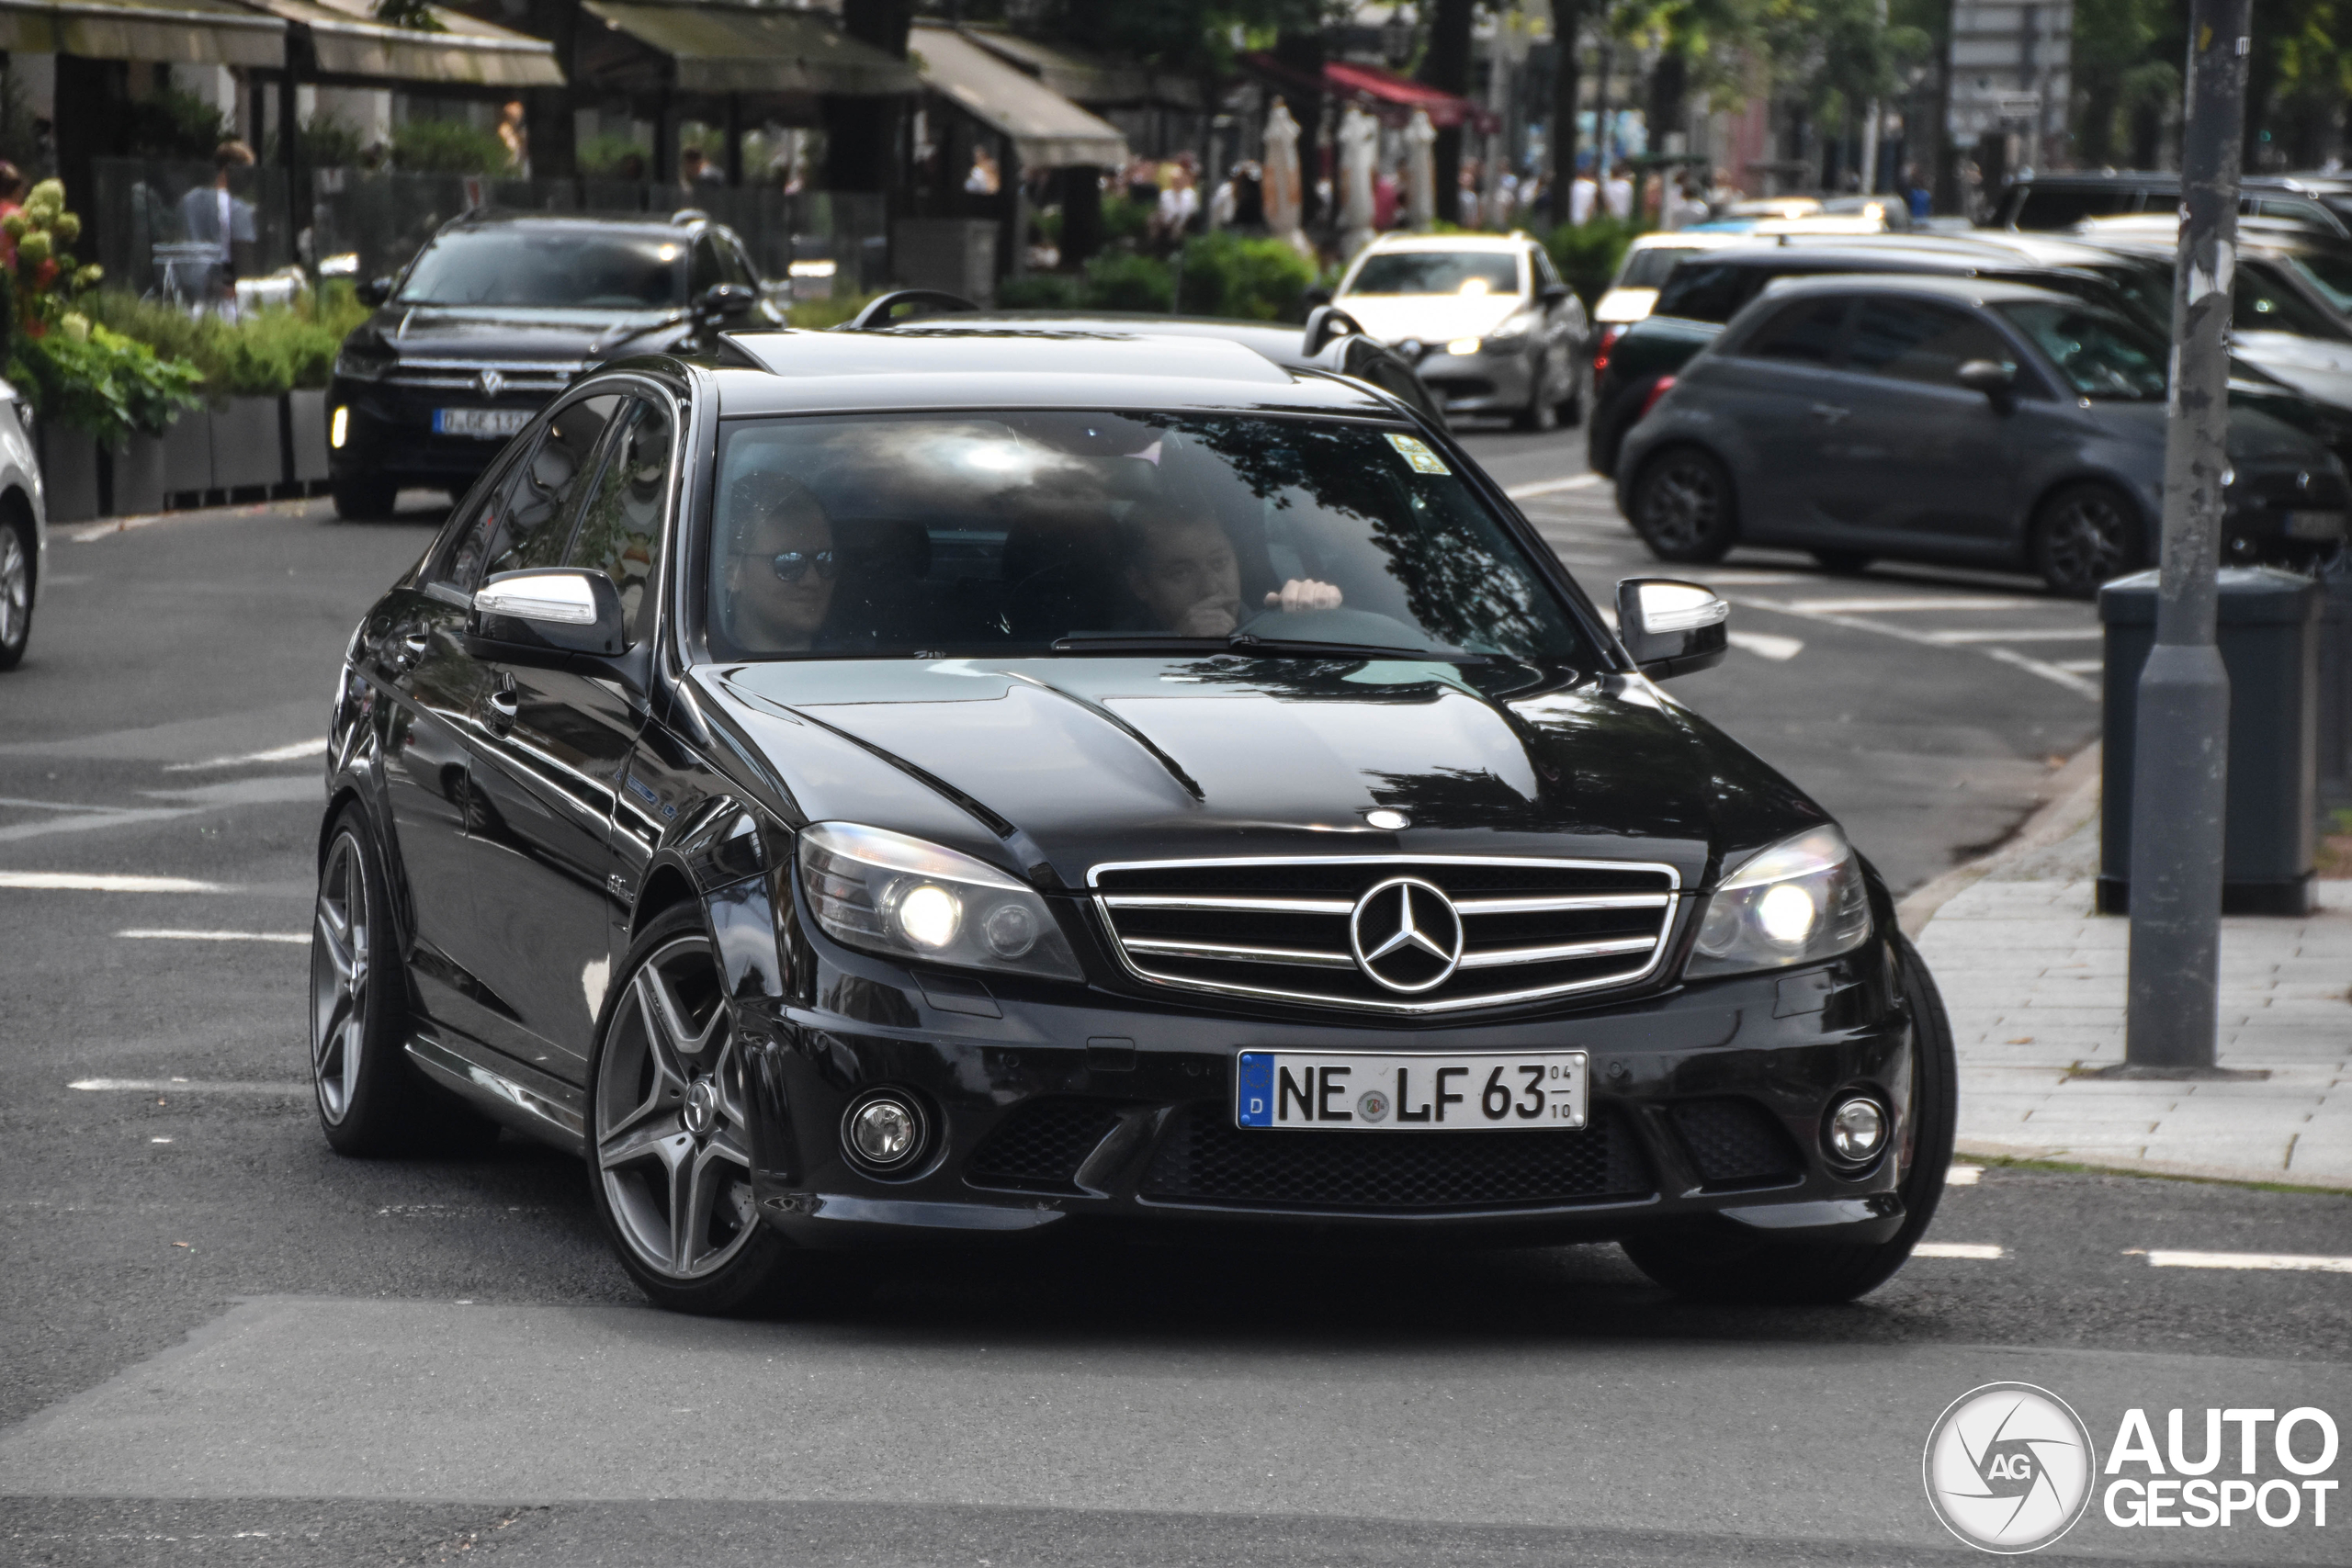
(2072, 799)
(2107, 1165)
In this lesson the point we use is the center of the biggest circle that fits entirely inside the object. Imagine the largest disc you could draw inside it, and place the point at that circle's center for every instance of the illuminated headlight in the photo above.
(355, 366)
(339, 428)
(1512, 337)
(1798, 902)
(905, 899)
(1463, 345)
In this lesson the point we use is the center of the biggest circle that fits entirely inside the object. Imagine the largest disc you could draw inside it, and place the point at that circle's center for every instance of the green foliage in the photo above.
(1589, 254)
(816, 315)
(173, 124)
(260, 355)
(600, 157)
(447, 147)
(1258, 280)
(325, 142)
(1125, 220)
(1121, 280)
(101, 383)
(1041, 291)
(414, 15)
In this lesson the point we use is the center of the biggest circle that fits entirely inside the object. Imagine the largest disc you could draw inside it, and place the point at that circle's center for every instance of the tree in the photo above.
(2120, 74)
(1446, 67)
(863, 136)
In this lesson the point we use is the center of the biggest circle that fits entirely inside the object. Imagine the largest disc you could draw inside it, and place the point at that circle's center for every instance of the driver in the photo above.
(781, 563)
(1182, 568)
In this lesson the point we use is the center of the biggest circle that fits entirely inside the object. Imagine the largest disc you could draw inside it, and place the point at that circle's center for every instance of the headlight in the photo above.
(358, 367)
(904, 899)
(1798, 902)
(1463, 346)
(1511, 335)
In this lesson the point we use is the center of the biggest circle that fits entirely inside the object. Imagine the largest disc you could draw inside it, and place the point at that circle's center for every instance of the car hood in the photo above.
(2280, 353)
(432, 331)
(2255, 436)
(1076, 761)
(1431, 318)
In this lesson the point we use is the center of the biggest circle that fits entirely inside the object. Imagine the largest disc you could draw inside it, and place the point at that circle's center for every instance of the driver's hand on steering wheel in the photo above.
(1304, 593)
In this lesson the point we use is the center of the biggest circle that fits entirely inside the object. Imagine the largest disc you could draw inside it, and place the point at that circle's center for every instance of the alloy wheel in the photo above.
(2086, 541)
(339, 979)
(672, 1147)
(15, 587)
(1682, 506)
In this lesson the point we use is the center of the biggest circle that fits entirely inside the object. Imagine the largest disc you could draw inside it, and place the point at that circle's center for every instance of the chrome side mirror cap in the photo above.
(1986, 376)
(561, 608)
(1671, 628)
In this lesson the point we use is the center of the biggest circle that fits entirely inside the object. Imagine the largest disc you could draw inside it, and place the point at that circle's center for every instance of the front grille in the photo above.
(1735, 1142)
(540, 377)
(1040, 1146)
(1204, 1158)
(1281, 929)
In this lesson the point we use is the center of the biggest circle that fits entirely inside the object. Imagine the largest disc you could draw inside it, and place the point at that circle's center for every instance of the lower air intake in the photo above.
(1737, 1143)
(1040, 1146)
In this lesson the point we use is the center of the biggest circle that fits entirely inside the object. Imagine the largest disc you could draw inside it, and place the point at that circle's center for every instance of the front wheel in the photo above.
(16, 569)
(1713, 1268)
(1684, 508)
(669, 1148)
(2083, 536)
(1542, 413)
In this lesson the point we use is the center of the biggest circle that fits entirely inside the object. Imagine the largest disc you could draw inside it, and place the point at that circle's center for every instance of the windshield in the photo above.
(1437, 272)
(1648, 268)
(929, 536)
(2331, 275)
(2103, 358)
(549, 267)
(2265, 301)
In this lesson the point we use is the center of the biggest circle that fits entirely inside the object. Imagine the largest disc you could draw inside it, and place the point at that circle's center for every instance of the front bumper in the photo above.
(2290, 517)
(1057, 1109)
(1478, 383)
(389, 432)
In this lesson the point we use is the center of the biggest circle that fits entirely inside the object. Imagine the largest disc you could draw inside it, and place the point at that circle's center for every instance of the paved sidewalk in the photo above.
(2035, 985)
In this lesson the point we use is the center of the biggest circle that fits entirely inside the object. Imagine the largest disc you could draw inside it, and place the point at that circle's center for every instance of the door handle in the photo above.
(1830, 412)
(503, 706)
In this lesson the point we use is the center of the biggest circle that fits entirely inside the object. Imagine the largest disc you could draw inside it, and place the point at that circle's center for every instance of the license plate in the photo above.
(2316, 525)
(1316, 1090)
(490, 422)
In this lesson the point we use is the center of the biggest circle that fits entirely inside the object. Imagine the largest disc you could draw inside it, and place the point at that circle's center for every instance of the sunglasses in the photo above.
(793, 565)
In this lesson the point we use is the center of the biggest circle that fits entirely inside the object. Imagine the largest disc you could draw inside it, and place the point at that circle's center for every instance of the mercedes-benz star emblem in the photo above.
(1404, 934)
(490, 382)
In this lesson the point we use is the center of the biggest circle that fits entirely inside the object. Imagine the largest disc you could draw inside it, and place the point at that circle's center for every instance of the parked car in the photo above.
(1949, 419)
(1483, 319)
(991, 783)
(1331, 341)
(1648, 261)
(24, 528)
(2051, 201)
(496, 315)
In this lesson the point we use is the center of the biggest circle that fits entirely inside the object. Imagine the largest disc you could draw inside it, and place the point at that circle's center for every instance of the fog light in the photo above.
(1857, 1130)
(340, 430)
(883, 1132)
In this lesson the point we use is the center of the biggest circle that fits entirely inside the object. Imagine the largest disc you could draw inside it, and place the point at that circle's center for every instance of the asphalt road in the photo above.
(220, 1343)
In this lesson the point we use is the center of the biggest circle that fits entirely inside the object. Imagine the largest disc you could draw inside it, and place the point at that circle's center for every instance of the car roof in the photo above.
(1448, 243)
(671, 222)
(980, 366)
(1273, 339)
(1848, 258)
(1959, 290)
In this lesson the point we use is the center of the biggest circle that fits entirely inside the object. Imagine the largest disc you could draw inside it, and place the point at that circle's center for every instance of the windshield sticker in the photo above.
(1417, 452)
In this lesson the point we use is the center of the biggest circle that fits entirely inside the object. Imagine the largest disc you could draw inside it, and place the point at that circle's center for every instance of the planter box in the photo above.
(188, 453)
(69, 467)
(246, 449)
(307, 418)
(139, 466)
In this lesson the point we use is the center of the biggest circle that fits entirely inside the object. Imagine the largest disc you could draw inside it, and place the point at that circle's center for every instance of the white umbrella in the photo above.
(1420, 172)
(1358, 151)
(1283, 195)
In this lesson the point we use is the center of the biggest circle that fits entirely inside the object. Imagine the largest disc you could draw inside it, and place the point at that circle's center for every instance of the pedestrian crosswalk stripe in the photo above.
(1764, 645)
(1977, 1249)
(1860, 605)
(2017, 634)
(2298, 1262)
(1553, 487)
(213, 936)
(78, 882)
(186, 1085)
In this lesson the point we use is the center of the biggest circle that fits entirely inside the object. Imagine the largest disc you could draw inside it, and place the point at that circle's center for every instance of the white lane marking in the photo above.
(1750, 579)
(2041, 633)
(22, 804)
(2058, 673)
(2081, 665)
(213, 936)
(2050, 672)
(1861, 606)
(186, 1085)
(96, 530)
(1553, 487)
(294, 753)
(1963, 1175)
(2299, 1262)
(1764, 645)
(76, 881)
(1977, 1249)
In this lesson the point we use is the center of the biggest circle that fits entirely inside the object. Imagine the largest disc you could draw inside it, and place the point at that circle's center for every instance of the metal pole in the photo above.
(2180, 762)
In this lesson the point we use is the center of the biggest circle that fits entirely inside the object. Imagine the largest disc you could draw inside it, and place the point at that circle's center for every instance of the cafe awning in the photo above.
(348, 43)
(1097, 81)
(745, 49)
(1391, 97)
(175, 32)
(1047, 131)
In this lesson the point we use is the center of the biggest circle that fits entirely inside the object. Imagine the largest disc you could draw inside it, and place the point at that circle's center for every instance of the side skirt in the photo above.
(533, 1103)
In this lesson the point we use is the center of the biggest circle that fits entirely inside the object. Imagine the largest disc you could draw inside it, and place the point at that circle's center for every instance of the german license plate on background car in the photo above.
(1298, 1090)
(499, 423)
(2316, 525)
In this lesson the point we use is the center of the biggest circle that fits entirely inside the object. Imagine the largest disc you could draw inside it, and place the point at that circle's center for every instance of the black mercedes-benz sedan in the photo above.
(979, 786)
(498, 313)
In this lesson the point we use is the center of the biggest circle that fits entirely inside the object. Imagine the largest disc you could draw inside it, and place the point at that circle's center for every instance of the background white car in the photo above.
(24, 528)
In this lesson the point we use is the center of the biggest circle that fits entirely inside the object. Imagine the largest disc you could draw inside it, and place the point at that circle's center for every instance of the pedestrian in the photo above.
(1180, 203)
(515, 137)
(1618, 196)
(1915, 195)
(690, 164)
(982, 178)
(212, 215)
(1582, 194)
(1681, 205)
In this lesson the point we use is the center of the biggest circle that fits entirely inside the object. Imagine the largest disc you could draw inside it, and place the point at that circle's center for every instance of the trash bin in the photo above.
(2268, 625)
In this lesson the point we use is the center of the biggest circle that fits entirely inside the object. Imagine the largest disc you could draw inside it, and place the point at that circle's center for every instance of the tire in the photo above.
(2083, 536)
(365, 499)
(370, 1100)
(1844, 563)
(1684, 507)
(1541, 413)
(660, 1138)
(19, 562)
(1825, 1273)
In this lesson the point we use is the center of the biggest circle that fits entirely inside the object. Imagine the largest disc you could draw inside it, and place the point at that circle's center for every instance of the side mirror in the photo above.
(1670, 627)
(724, 301)
(1552, 293)
(373, 292)
(558, 610)
(1314, 296)
(1325, 325)
(1995, 381)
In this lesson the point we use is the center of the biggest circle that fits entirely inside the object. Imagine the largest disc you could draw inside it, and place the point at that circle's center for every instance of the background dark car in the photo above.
(495, 316)
(2062, 200)
(1943, 419)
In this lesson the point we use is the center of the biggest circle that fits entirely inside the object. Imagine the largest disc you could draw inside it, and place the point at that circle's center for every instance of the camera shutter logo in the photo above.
(2009, 1467)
